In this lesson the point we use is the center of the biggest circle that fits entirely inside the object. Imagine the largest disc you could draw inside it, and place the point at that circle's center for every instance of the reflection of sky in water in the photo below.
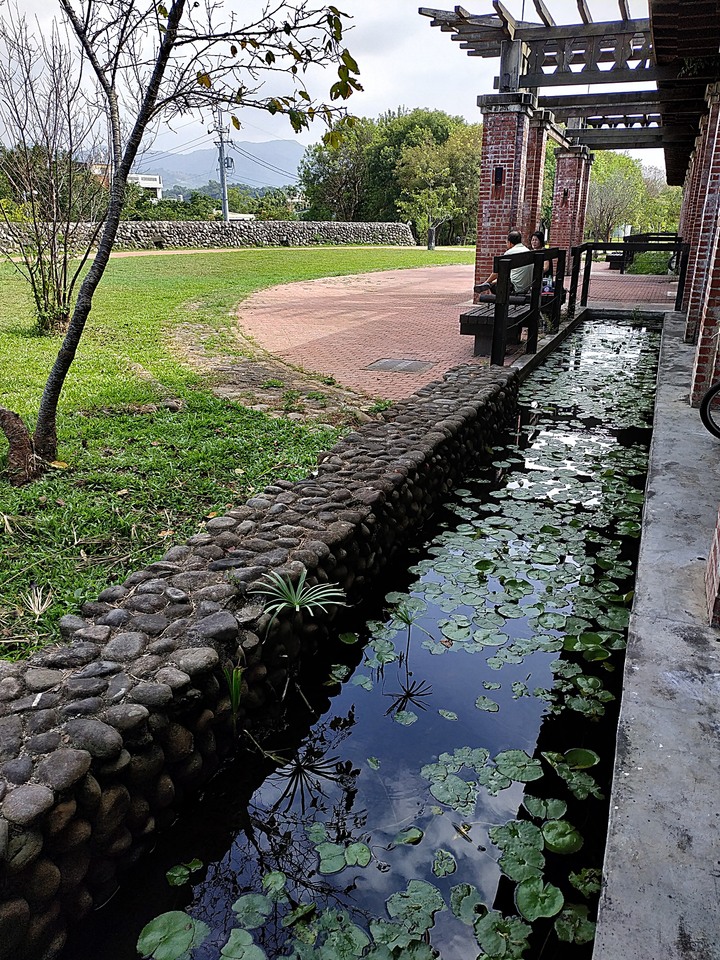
(377, 804)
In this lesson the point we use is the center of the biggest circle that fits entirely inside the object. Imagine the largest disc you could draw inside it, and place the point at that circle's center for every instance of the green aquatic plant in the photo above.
(283, 594)
(233, 678)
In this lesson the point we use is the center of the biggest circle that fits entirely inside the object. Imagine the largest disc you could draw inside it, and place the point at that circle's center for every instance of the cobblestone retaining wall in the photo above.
(100, 738)
(161, 234)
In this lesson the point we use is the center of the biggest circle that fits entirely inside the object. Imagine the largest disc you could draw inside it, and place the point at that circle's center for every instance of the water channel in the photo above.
(450, 798)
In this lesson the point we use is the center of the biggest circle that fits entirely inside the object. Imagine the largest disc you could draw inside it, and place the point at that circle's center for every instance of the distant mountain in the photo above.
(272, 163)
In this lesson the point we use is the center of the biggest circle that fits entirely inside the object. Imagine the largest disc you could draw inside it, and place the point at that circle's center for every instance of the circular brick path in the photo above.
(358, 328)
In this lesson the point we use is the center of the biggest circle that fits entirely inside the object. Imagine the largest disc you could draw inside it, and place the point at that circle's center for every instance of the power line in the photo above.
(263, 163)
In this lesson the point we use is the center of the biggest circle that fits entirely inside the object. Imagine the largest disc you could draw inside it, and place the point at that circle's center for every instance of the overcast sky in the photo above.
(405, 62)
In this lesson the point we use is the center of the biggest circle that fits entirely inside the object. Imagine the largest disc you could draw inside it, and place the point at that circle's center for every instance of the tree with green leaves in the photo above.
(616, 194)
(334, 177)
(137, 61)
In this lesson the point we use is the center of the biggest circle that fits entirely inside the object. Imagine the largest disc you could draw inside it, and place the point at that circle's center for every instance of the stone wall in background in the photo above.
(169, 234)
(102, 737)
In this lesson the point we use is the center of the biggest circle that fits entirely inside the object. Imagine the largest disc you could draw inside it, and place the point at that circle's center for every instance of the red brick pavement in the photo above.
(339, 326)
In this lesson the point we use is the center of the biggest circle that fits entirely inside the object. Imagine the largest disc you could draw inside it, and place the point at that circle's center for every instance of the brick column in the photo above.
(704, 228)
(694, 212)
(688, 187)
(712, 578)
(535, 174)
(503, 168)
(572, 177)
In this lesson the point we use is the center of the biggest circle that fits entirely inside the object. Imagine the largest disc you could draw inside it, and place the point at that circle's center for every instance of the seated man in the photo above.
(520, 277)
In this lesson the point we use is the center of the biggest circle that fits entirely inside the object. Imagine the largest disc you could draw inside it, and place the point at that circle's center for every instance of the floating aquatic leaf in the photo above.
(561, 837)
(171, 936)
(405, 717)
(485, 703)
(534, 899)
(573, 926)
(581, 759)
(444, 863)
(489, 685)
(177, 876)
(411, 836)
(493, 780)
(502, 936)
(448, 714)
(416, 906)
(466, 903)
(252, 910)
(273, 884)
(300, 913)
(456, 793)
(517, 765)
(362, 680)
(384, 652)
(373, 763)
(517, 834)
(348, 638)
(545, 809)
(587, 881)
(358, 854)
(240, 946)
(332, 857)
(316, 833)
(522, 862)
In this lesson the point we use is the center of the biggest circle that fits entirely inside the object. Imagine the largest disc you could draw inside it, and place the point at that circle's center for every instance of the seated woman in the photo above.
(537, 242)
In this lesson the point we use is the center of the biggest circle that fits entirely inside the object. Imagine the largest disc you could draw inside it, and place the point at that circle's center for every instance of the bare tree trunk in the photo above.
(23, 465)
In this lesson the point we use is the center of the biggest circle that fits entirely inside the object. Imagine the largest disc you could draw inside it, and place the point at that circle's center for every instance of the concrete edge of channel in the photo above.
(661, 873)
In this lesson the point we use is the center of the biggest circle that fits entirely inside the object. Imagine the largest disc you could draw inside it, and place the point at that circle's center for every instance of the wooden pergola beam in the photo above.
(544, 13)
(584, 11)
(580, 31)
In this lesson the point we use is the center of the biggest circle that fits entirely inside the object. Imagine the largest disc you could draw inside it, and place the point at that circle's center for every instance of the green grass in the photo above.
(141, 477)
(649, 263)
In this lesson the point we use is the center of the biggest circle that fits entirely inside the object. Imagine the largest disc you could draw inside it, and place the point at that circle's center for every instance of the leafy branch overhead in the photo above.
(112, 72)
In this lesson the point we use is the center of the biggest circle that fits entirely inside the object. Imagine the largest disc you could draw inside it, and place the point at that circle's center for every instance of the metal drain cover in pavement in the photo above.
(402, 366)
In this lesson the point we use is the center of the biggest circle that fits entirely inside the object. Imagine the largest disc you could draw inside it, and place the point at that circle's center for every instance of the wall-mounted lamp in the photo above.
(565, 196)
(498, 178)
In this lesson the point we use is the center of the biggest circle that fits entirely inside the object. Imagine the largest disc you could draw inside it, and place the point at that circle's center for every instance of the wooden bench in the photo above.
(479, 320)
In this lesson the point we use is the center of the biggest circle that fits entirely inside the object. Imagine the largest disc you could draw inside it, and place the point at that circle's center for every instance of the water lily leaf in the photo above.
(299, 914)
(332, 857)
(522, 862)
(552, 621)
(171, 936)
(240, 946)
(316, 833)
(362, 680)
(490, 685)
(405, 717)
(416, 906)
(252, 910)
(545, 809)
(516, 834)
(502, 936)
(384, 652)
(373, 763)
(448, 714)
(444, 863)
(587, 881)
(561, 837)
(517, 765)
(348, 638)
(412, 836)
(534, 899)
(391, 938)
(456, 631)
(493, 780)
(456, 793)
(358, 855)
(581, 759)
(273, 884)
(485, 703)
(573, 926)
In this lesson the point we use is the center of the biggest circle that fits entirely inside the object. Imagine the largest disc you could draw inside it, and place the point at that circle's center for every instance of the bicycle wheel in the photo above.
(710, 410)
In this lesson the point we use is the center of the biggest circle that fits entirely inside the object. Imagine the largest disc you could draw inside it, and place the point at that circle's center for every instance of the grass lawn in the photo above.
(140, 476)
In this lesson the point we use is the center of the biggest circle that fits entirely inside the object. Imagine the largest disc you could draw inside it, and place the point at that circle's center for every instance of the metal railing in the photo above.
(630, 246)
(504, 298)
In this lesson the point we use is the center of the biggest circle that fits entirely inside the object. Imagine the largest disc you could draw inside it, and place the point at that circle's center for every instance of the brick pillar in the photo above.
(712, 578)
(506, 127)
(688, 187)
(704, 229)
(694, 211)
(535, 175)
(572, 177)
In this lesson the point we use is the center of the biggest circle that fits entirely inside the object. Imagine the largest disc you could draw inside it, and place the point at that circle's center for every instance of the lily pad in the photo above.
(171, 936)
(534, 899)
(485, 703)
(332, 857)
(501, 936)
(358, 854)
(405, 717)
(416, 906)
(448, 714)
(573, 925)
(373, 763)
(444, 863)
(545, 809)
(241, 946)
(581, 759)
(561, 837)
(466, 903)
(517, 765)
(252, 910)
(411, 836)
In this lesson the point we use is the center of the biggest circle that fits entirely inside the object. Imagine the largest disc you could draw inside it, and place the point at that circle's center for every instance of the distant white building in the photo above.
(149, 182)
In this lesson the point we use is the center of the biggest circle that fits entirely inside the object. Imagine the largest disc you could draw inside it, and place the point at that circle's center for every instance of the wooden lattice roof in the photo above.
(676, 48)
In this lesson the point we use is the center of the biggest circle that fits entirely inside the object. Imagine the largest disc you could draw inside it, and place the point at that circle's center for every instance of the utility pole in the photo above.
(223, 162)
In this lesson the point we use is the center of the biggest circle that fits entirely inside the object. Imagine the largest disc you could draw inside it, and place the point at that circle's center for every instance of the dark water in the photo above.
(503, 632)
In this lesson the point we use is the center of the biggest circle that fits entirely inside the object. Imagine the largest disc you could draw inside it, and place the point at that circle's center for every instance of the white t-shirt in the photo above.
(520, 277)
